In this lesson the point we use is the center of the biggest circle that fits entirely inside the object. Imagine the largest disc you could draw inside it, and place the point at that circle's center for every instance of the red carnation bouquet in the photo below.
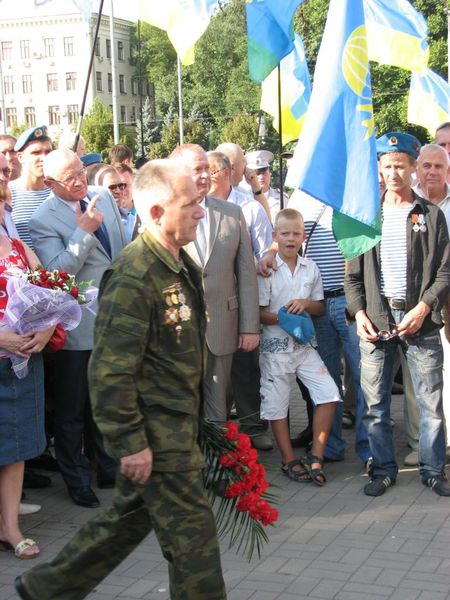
(40, 299)
(235, 478)
(59, 280)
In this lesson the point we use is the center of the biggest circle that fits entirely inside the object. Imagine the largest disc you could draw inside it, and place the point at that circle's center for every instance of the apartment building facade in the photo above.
(43, 68)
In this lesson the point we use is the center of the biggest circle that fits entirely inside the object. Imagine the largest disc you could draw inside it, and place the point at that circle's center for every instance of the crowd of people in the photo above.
(212, 296)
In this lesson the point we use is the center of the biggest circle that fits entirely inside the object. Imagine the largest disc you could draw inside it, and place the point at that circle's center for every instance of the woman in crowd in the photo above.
(22, 434)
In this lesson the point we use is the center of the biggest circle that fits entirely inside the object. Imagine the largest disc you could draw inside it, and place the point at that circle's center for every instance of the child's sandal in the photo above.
(302, 476)
(317, 474)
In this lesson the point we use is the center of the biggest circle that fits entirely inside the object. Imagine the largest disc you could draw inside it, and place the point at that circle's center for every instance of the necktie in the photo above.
(101, 234)
(201, 241)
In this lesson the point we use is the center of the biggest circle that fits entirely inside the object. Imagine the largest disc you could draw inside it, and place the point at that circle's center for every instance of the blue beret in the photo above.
(397, 141)
(92, 158)
(33, 134)
(298, 326)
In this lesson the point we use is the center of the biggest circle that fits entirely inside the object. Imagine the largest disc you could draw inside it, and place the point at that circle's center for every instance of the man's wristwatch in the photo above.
(258, 193)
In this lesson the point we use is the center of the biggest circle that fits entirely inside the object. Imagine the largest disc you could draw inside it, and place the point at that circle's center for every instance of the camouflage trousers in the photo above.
(175, 506)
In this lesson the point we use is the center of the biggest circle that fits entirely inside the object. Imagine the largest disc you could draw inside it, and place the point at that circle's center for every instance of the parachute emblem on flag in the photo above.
(355, 68)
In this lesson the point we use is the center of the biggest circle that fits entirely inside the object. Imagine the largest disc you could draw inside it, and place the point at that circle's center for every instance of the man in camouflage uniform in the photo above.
(145, 376)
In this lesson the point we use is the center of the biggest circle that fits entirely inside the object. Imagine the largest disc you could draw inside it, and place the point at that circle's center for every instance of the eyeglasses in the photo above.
(384, 335)
(217, 171)
(117, 186)
(6, 172)
(71, 179)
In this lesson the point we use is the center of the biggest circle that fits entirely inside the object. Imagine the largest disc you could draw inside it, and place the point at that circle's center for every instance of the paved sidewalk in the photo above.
(330, 542)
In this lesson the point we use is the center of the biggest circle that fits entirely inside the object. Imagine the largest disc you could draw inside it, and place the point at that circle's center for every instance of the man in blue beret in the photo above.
(29, 191)
(395, 292)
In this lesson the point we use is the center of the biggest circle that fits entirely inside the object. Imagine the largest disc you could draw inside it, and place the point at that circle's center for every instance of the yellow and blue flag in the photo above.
(335, 159)
(396, 34)
(428, 100)
(184, 20)
(295, 92)
(270, 33)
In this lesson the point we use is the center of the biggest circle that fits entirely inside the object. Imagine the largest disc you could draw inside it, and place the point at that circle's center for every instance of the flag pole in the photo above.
(114, 75)
(88, 78)
(280, 131)
(141, 117)
(180, 101)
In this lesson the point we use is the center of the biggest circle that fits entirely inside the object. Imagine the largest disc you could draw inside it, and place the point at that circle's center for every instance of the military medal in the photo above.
(418, 220)
(178, 311)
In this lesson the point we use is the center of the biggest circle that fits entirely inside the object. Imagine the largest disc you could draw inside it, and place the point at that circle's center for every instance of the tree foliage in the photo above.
(97, 128)
(390, 85)
(98, 131)
(225, 98)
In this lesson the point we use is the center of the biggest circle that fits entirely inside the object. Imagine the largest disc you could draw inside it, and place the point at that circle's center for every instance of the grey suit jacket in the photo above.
(60, 244)
(229, 278)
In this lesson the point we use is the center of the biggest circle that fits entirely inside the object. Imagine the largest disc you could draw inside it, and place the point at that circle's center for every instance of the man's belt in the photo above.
(396, 304)
(334, 293)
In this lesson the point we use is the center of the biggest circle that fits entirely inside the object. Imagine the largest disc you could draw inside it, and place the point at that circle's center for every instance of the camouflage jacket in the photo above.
(147, 363)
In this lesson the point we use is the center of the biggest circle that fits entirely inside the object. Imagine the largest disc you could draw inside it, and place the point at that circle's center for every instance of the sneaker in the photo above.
(348, 419)
(412, 459)
(28, 509)
(438, 484)
(378, 485)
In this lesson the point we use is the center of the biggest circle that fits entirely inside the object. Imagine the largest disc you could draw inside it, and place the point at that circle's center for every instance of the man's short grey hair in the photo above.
(434, 148)
(55, 161)
(154, 184)
(222, 160)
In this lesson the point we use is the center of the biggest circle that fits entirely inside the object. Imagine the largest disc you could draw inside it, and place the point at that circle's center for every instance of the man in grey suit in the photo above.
(223, 252)
(78, 230)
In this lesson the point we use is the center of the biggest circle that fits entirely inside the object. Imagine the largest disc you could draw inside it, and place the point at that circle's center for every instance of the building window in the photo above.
(72, 114)
(11, 117)
(71, 81)
(6, 50)
(54, 117)
(27, 84)
(49, 47)
(68, 46)
(108, 48)
(99, 81)
(133, 87)
(97, 47)
(30, 116)
(133, 114)
(123, 114)
(122, 84)
(120, 50)
(8, 84)
(52, 82)
(24, 48)
(110, 83)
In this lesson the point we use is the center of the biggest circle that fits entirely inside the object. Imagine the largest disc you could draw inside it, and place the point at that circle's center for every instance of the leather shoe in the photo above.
(45, 461)
(303, 439)
(106, 482)
(31, 479)
(21, 590)
(84, 496)
(262, 441)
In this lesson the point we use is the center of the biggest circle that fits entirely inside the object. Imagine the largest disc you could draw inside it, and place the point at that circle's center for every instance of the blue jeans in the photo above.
(333, 336)
(424, 357)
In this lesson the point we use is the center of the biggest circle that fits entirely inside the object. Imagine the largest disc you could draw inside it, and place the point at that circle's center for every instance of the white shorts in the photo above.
(276, 377)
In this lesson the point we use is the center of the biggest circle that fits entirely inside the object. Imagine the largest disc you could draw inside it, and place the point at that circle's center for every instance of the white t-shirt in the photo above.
(275, 291)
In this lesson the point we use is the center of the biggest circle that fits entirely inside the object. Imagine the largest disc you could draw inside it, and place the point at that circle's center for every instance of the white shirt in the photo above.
(322, 247)
(444, 204)
(273, 198)
(258, 224)
(283, 285)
